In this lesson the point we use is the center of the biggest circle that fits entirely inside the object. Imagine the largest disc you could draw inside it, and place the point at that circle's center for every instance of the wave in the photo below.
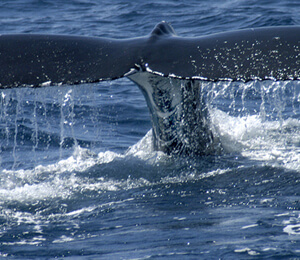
(257, 124)
(257, 142)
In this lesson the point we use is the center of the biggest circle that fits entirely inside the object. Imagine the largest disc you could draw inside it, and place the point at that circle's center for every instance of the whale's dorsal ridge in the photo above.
(163, 29)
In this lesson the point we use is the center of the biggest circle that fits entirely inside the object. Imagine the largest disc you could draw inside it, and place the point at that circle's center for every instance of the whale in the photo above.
(168, 69)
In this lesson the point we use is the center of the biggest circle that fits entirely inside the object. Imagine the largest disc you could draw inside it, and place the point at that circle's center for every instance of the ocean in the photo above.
(79, 178)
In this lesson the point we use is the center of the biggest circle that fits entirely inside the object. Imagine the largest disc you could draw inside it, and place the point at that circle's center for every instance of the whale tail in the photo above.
(38, 60)
(167, 68)
(179, 113)
(251, 54)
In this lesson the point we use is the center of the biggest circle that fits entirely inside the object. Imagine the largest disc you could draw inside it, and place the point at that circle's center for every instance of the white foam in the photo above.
(246, 250)
(63, 239)
(272, 142)
(26, 185)
(234, 132)
(292, 229)
(60, 180)
(80, 211)
(144, 150)
(292, 225)
(250, 226)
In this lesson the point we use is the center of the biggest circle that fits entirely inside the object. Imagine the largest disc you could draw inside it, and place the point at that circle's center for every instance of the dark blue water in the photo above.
(79, 178)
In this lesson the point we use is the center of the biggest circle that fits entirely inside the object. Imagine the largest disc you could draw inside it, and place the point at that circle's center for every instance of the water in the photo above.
(79, 177)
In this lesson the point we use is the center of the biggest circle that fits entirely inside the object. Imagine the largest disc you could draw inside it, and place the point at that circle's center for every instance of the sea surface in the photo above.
(79, 178)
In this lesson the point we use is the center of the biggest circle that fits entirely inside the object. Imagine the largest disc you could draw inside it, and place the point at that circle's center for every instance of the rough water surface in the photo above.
(80, 179)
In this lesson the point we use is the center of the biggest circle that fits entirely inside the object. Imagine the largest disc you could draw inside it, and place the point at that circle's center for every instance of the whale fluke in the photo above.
(168, 69)
(250, 54)
(34, 60)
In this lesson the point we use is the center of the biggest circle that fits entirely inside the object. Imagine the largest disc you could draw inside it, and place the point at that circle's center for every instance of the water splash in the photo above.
(257, 128)
(259, 120)
(39, 123)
